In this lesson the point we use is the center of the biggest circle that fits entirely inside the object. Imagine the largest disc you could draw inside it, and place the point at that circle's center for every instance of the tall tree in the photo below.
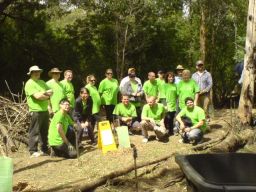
(247, 93)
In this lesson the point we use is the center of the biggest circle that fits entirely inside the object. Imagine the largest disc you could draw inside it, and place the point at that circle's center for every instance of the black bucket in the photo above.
(219, 172)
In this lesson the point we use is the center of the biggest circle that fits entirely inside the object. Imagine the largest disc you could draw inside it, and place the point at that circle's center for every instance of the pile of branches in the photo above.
(14, 121)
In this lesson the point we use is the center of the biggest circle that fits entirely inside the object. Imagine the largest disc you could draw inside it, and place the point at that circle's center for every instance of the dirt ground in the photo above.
(48, 174)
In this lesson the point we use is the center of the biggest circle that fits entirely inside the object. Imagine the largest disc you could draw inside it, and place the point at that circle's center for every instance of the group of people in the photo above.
(173, 103)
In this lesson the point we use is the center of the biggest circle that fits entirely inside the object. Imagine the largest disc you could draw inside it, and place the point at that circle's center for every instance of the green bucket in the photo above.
(6, 173)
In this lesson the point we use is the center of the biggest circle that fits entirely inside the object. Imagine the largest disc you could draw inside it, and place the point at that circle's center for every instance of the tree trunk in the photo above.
(203, 32)
(247, 92)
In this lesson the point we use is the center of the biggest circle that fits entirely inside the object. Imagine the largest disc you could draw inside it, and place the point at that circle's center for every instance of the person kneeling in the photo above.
(191, 122)
(153, 119)
(61, 135)
(126, 113)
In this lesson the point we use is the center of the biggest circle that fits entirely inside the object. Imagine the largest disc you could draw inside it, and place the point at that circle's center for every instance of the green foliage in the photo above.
(98, 34)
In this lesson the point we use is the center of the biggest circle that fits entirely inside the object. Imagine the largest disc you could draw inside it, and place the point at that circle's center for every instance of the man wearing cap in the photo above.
(131, 72)
(57, 88)
(204, 80)
(179, 70)
(38, 94)
(69, 88)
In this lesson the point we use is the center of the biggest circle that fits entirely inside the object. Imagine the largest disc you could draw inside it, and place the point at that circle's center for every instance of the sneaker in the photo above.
(181, 141)
(35, 154)
(43, 153)
(130, 132)
(145, 140)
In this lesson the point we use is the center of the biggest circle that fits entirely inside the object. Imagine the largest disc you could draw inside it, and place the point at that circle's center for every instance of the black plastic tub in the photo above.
(219, 172)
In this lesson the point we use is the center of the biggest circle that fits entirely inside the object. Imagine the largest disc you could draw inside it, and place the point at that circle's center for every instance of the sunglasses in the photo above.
(93, 80)
(109, 73)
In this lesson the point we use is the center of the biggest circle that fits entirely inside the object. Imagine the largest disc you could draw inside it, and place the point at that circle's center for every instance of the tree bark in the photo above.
(247, 92)
(203, 32)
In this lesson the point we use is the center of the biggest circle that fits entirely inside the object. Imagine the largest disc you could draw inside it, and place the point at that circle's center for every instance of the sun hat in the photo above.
(54, 70)
(34, 68)
(179, 67)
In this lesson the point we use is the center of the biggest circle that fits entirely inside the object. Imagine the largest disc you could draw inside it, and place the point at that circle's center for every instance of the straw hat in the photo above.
(54, 70)
(179, 67)
(34, 68)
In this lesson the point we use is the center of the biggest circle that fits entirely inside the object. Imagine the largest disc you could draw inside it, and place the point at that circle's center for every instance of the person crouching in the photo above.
(191, 122)
(61, 135)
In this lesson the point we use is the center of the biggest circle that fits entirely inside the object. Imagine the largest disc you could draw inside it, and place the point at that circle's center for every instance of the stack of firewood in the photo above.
(14, 122)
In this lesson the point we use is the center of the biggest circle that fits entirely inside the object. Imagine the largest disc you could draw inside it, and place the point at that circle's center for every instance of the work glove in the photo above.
(71, 147)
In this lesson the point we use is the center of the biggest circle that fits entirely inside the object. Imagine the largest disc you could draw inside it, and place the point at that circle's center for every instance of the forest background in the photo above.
(89, 36)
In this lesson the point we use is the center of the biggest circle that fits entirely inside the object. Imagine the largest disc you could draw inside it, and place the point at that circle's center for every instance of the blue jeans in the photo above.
(193, 135)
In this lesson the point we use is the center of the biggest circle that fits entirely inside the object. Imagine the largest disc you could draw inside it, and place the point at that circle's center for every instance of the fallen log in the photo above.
(234, 141)
(10, 142)
(100, 181)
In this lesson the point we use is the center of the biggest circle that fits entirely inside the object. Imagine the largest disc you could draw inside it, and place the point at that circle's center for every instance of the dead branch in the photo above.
(10, 142)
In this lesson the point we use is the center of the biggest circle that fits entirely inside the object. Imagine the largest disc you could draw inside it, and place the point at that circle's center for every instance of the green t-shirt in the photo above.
(171, 96)
(32, 87)
(186, 89)
(125, 111)
(54, 137)
(134, 86)
(156, 112)
(95, 98)
(58, 94)
(150, 89)
(197, 114)
(109, 89)
(69, 91)
(161, 85)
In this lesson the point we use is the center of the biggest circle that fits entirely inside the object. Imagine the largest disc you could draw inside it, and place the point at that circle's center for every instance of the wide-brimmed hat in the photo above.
(180, 67)
(34, 68)
(131, 70)
(54, 70)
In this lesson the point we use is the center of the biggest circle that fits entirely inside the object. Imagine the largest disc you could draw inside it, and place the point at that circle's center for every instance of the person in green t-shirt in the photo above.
(191, 122)
(37, 94)
(153, 119)
(150, 87)
(69, 88)
(125, 112)
(187, 87)
(171, 99)
(61, 134)
(133, 89)
(58, 90)
(91, 80)
(161, 87)
(108, 90)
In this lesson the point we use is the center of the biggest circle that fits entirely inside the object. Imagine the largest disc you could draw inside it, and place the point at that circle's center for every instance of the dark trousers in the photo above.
(138, 111)
(62, 150)
(109, 110)
(38, 131)
(168, 121)
(80, 132)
